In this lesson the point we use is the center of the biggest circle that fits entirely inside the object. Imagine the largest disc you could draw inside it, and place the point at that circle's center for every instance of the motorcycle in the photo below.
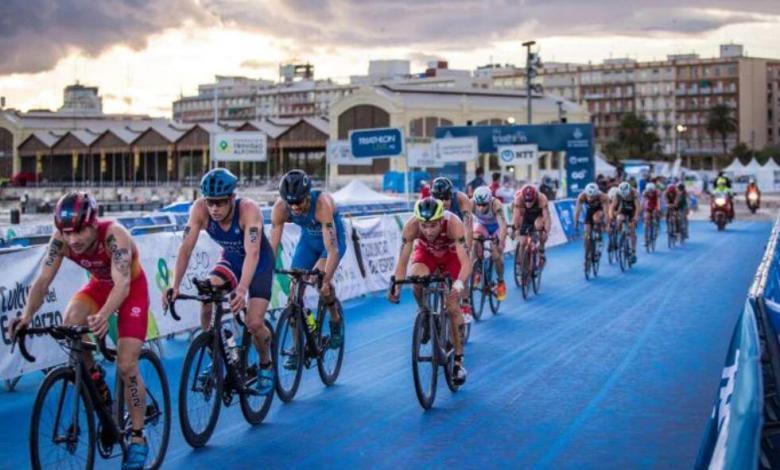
(753, 201)
(719, 210)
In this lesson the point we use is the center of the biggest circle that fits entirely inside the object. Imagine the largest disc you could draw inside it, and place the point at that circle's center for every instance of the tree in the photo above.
(636, 138)
(742, 152)
(721, 122)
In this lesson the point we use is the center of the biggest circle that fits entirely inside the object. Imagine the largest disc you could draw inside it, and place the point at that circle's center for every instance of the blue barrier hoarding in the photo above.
(733, 432)
(574, 139)
(377, 143)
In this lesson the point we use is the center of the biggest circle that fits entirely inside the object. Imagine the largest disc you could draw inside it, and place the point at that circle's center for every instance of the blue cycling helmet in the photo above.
(218, 182)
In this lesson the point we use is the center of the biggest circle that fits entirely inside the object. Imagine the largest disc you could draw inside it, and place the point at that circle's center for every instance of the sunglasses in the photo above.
(482, 204)
(217, 202)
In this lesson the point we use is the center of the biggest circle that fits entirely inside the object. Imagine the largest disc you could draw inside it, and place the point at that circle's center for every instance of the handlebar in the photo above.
(207, 293)
(299, 274)
(425, 280)
(61, 332)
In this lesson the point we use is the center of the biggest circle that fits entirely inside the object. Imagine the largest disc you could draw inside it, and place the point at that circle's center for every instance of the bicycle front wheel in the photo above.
(476, 290)
(331, 354)
(290, 354)
(424, 359)
(254, 406)
(518, 265)
(157, 408)
(491, 287)
(200, 390)
(62, 429)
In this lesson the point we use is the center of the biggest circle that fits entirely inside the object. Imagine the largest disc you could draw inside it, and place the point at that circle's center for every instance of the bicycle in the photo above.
(528, 272)
(651, 233)
(624, 247)
(482, 282)
(303, 339)
(671, 227)
(431, 338)
(216, 369)
(593, 253)
(612, 244)
(70, 425)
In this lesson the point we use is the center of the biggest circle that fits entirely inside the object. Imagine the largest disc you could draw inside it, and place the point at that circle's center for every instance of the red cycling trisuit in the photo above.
(439, 253)
(134, 311)
(651, 200)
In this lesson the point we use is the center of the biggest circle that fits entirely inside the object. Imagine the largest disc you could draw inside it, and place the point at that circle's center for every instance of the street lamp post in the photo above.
(679, 129)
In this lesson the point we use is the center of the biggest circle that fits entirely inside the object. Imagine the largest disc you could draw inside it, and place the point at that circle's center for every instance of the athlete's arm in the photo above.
(498, 207)
(468, 218)
(252, 221)
(120, 249)
(408, 235)
(578, 209)
(324, 215)
(516, 214)
(456, 232)
(545, 205)
(605, 203)
(49, 267)
(278, 217)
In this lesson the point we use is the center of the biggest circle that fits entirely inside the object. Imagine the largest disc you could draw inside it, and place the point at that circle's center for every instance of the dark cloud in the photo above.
(35, 34)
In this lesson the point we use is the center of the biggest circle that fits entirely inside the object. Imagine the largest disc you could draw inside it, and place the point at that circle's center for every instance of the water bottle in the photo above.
(311, 322)
(230, 346)
(98, 376)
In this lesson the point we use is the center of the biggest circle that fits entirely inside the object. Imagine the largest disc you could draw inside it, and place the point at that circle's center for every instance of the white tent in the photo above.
(356, 192)
(771, 172)
(602, 166)
(735, 168)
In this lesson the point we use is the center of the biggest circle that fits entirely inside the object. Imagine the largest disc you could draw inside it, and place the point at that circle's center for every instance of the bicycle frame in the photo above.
(296, 302)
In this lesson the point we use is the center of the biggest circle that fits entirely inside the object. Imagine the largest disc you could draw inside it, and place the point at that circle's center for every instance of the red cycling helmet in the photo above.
(529, 193)
(75, 211)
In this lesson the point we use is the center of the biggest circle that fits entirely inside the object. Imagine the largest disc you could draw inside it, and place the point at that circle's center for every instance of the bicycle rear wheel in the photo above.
(537, 272)
(330, 359)
(447, 351)
(424, 359)
(623, 252)
(254, 406)
(57, 398)
(476, 290)
(290, 354)
(518, 265)
(200, 390)
(157, 409)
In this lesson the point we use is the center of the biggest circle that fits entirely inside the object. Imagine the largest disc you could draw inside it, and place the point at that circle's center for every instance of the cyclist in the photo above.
(246, 265)
(531, 211)
(490, 223)
(596, 201)
(322, 243)
(626, 207)
(117, 283)
(681, 205)
(652, 204)
(454, 201)
(440, 247)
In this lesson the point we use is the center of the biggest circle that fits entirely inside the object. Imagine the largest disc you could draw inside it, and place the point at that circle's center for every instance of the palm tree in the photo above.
(721, 122)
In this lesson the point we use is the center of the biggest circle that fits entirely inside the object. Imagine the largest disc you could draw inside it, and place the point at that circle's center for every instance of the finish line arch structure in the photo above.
(574, 139)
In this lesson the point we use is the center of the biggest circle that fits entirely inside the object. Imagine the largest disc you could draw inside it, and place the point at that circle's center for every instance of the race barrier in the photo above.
(373, 244)
(743, 431)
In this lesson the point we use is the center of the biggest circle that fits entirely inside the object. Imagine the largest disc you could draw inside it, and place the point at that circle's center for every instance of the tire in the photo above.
(254, 407)
(623, 252)
(157, 421)
(648, 237)
(588, 261)
(448, 351)
(518, 273)
(611, 252)
(329, 361)
(477, 290)
(490, 285)
(526, 275)
(288, 380)
(537, 273)
(421, 360)
(594, 264)
(56, 385)
(208, 385)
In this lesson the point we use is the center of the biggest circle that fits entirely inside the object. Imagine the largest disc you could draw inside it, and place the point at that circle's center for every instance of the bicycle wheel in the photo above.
(594, 253)
(526, 273)
(447, 351)
(587, 261)
(424, 361)
(491, 293)
(330, 359)
(648, 236)
(56, 441)
(290, 354)
(200, 390)
(254, 406)
(537, 272)
(670, 231)
(157, 409)
(477, 289)
(611, 252)
(623, 252)
(518, 265)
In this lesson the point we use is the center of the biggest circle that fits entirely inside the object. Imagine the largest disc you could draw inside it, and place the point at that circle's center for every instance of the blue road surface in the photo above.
(617, 372)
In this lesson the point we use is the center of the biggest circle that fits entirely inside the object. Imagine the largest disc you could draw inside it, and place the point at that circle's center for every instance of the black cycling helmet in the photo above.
(295, 187)
(681, 186)
(441, 188)
(75, 211)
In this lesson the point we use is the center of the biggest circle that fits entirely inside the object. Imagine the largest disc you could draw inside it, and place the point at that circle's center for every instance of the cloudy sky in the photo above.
(145, 53)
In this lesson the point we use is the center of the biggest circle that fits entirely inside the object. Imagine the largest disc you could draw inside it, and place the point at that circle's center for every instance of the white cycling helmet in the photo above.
(650, 187)
(482, 195)
(625, 189)
(612, 192)
(592, 190)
